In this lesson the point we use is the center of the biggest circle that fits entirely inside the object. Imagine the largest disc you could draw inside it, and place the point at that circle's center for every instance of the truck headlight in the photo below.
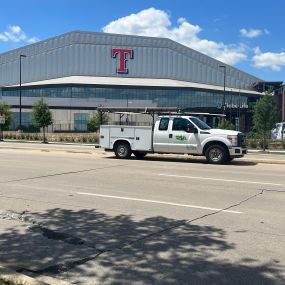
(233, 140)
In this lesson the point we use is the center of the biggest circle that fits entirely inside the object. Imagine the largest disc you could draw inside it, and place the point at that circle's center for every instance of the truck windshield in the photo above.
(200, 124)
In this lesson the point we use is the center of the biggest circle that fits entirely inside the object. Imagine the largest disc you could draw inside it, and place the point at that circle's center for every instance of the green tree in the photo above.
(94, 122)
(5, 110)
(264, 117)
(42, 116)
(226, 125)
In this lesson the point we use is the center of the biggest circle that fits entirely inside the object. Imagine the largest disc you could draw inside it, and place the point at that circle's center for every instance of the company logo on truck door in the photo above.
(122, 55)
(181, 138)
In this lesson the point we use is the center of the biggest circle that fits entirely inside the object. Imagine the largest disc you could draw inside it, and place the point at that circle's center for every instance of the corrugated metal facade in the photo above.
(89, 54)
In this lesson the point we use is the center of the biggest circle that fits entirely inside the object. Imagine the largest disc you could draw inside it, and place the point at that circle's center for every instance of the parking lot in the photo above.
(87, 218)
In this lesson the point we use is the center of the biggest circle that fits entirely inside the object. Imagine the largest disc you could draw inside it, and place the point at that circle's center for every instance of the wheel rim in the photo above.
(216, 154)
(122, 150)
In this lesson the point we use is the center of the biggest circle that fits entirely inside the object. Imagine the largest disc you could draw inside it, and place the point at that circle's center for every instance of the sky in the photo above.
(247, 34)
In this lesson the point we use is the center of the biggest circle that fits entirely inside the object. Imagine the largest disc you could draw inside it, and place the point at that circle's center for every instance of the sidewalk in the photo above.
(270, 158)
(51, 146)
(266, 151)
(254, 156)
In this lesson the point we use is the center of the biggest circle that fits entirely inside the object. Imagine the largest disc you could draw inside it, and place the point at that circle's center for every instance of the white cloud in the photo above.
(156, 23)
(266, 32)
(253, 33)
(16, 34)
(274, 61)
(33, 40)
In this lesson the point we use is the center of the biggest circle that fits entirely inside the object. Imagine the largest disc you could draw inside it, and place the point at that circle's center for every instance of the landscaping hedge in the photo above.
(54, 137)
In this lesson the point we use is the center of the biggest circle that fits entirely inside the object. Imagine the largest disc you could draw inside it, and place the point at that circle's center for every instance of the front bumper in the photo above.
(237, 151)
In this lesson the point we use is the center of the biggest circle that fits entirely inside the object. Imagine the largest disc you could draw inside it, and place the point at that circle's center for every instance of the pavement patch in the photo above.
(18, 278)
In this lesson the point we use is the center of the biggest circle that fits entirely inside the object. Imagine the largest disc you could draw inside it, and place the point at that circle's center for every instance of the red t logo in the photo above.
(122, 58)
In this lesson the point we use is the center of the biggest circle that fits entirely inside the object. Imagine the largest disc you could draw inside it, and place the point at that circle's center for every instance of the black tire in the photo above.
(139, 154)
(122, 150)
(216, 154)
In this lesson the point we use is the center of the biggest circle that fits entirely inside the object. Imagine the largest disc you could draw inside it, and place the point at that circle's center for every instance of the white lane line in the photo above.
(157, 202)
(219, 179)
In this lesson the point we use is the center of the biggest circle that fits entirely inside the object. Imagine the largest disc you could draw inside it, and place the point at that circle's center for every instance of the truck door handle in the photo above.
(170, 136)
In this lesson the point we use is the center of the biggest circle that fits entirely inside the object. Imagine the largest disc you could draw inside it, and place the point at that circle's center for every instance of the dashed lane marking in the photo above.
(220, 179)
(157, 202)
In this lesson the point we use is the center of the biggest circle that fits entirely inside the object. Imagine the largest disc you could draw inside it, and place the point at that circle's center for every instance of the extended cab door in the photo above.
(161, 136)
(181, 137)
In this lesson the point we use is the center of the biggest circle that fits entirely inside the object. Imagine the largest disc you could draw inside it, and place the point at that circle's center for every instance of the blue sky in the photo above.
(246, 34)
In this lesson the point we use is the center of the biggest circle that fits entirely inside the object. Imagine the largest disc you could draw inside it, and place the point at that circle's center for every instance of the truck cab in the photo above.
(190, 135)
(279, 132)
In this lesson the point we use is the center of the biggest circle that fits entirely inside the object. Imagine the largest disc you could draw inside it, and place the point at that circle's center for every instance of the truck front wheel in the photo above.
(216, 154)
(123, 150)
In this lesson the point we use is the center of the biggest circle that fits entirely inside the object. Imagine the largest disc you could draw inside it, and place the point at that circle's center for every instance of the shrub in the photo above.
(252, 143)
(263, 144)
(226, 125)
(7, 136)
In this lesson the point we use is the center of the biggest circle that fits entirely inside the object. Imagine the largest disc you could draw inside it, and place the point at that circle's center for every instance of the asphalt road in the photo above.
(88, 218)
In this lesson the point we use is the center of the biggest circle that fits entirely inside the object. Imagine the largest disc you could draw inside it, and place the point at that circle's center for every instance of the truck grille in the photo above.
(241, 140)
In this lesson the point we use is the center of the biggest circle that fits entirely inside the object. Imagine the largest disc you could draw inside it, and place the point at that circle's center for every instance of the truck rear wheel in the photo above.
(139, 154)
(216, 154)
(123, 150)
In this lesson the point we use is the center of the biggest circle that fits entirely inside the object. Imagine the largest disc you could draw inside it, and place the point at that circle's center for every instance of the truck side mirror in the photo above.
(195, 131)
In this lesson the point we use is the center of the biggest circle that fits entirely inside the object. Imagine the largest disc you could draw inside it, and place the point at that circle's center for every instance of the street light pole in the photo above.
(224, 97)
(231, 104)
(239, 109)
(20, 89)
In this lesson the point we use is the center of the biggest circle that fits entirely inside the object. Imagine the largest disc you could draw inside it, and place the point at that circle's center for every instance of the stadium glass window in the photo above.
(26, 120)
(80, 121)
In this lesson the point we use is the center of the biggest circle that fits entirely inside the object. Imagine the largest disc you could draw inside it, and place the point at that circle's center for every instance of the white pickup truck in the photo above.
(174, 134)
(279, 132)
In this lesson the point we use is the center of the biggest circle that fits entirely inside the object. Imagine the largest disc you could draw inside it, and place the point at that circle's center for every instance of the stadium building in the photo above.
(78, 71)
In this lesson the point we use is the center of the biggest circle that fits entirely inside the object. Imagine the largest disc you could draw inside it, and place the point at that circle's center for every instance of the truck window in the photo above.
(200, 124)
(180, 124)
(163, 124)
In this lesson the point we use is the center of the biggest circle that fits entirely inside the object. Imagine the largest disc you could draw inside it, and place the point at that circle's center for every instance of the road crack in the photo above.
(183, 223)
(66, 266)
(61, 174)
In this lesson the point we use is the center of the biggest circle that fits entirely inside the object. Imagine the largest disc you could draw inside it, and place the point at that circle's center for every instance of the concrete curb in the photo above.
(46, 149)
(10, 275)
(94, 148)
(263, 161)
(96, 145)
(266, 152)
